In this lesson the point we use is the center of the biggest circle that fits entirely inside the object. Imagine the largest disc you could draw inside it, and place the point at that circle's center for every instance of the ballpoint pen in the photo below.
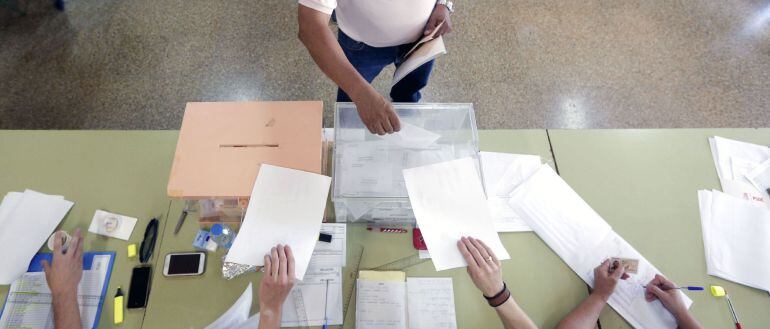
(182, 217)
(732, 311)
(718, 291)
(690, 288)
(326, 302)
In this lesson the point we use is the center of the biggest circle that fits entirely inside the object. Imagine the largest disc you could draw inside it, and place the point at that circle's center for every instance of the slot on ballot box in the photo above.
(368, 182)
(222, 145)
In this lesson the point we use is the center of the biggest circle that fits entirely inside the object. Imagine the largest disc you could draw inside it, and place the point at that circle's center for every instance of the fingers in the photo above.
(490, 252)
(603, 269)
(662, 282)
(376, 128)
(475, 253)
(76, 246)
(482, 251)
(657, 292)
(667, 284)
(620, 270)
(447, 27)
(267, 269)
(432, 22)
(275, 260)
(625, 276)
(290, 266)
(282, 262)
(386, 125)
(46, 266)
(443, 30)
(57, 243)
(467, 255)
(395, 122)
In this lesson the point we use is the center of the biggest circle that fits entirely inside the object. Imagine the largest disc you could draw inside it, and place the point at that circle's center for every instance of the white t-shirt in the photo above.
(378, 23)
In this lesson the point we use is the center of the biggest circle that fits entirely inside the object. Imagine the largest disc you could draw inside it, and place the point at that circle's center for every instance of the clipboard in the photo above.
(35, 266)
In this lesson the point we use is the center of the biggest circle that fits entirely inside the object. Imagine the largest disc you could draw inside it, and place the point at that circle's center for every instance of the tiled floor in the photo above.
(132, 64)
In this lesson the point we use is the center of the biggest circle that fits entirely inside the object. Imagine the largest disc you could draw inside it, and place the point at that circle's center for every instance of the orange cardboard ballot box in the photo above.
(222, 145)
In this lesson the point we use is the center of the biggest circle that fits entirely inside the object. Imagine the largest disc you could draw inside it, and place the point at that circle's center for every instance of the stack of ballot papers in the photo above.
(742, 169)
(449, 203)
(26, 221)
(735, 237)
(286, 207)
(502, 173)
(583, 240)
(384, 300)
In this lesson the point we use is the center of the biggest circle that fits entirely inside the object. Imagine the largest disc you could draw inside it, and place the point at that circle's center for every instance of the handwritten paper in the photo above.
(385, 301)
(448, 202)
(430, 303)
(380, 305)
(286, 207)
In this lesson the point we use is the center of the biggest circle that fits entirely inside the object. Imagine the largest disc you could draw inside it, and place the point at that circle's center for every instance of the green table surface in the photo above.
(644, 183)
(533, 270)
(119, 171)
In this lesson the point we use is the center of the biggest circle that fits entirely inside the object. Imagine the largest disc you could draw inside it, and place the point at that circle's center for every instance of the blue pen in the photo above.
(326, 301)
(690, 288)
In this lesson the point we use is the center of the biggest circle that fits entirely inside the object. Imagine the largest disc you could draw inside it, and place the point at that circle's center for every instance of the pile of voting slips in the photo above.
(735, 235)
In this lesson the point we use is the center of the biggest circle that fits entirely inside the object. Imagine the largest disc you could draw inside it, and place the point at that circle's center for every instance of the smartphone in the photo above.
(139, 290)
(184, 264)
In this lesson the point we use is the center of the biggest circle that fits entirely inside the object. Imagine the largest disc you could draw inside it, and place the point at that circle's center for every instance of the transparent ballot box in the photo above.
(368, 182)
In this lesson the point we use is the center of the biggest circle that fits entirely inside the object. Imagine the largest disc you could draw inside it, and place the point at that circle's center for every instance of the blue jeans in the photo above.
(369, 62)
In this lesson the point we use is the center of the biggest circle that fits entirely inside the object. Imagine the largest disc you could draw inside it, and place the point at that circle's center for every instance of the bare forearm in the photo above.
(269, 319)
(585, 315)
(685, 320)
(66, 314)
(327, 53)
(513, 317)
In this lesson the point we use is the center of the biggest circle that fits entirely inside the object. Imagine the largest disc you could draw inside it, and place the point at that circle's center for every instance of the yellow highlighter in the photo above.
(118, 307)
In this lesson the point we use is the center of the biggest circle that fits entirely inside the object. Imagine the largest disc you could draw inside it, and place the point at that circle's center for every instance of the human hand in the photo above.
(483, 266)
(440, 14)
(664, 290)
(277, 280)
(377, 113)
(606, 278)
(64, 272)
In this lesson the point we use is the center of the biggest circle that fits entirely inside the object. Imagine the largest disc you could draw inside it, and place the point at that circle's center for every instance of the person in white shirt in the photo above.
(372, 35)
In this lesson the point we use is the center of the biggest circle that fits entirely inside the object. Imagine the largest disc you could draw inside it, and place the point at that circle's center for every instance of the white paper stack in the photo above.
(26, 221)
(576, 233)
(736, 238)
(734, 160)
(502, 173)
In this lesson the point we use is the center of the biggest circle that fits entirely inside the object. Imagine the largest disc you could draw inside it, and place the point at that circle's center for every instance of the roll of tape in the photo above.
(65, 237)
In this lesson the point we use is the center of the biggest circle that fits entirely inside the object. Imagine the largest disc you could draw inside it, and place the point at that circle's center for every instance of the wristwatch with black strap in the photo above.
(500, 298)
